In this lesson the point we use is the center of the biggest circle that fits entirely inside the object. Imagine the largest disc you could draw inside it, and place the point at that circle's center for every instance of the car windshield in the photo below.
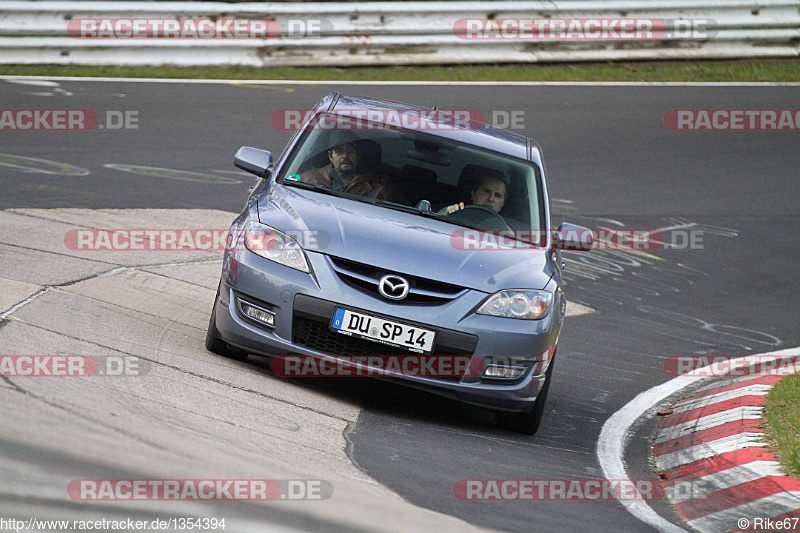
(418, 172)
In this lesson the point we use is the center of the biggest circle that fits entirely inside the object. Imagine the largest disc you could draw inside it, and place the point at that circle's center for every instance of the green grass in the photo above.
(783, 422)
(768, 70)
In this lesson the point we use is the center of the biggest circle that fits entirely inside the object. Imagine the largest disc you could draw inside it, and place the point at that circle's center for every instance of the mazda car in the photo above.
(388, 230)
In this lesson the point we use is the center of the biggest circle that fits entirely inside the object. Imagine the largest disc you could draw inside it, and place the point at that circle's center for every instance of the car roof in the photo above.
(478, 134)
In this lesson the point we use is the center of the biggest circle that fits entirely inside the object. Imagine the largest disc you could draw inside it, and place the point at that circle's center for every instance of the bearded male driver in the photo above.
(343, 174)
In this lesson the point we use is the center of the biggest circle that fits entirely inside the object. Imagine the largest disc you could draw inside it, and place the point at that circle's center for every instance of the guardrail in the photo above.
(396, 33)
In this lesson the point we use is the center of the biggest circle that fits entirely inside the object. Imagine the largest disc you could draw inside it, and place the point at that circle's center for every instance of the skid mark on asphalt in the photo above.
(183, 175)
(33, 165)
(744, 338)
(41, 166)
(629, 277)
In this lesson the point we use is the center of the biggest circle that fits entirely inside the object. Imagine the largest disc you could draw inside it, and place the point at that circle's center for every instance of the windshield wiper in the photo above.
(430, 214)
(406, 208)
(311, 187)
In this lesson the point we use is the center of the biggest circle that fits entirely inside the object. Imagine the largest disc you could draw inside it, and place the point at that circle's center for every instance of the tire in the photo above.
(214, 342)
(528, 423)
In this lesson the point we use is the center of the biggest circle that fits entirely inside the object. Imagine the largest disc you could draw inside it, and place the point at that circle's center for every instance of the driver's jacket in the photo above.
(378, 186)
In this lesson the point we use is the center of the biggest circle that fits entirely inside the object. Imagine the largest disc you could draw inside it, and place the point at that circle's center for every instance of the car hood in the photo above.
(398, 242)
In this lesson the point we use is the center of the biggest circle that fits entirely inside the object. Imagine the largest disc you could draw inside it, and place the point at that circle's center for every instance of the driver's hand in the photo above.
(453, 208)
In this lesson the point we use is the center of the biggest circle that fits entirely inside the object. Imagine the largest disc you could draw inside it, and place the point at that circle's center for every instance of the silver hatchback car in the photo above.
(387, 232)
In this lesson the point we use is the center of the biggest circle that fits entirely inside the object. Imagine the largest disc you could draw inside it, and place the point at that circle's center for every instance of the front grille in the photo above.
(422, 291)
(310, 328)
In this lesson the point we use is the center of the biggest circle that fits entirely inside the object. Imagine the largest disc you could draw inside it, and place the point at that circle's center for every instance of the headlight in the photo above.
(275, 245)
(528, 304)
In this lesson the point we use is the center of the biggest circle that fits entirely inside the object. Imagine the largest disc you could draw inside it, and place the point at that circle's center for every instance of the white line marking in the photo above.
(611, 221)
(679, 226)
(34, 82)
(618, 430)
(442, 83)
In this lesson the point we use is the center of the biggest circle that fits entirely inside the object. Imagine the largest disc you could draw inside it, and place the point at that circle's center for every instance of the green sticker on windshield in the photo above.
(293, 177)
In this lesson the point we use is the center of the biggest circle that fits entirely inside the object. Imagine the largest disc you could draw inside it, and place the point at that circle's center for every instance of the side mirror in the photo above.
(254, 161)
(572, 237)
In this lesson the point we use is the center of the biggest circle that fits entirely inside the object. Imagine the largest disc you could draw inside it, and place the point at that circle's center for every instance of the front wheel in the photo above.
(214, 342)
(528, 423)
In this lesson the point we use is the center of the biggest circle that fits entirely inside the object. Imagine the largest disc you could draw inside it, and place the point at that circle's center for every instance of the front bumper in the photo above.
(298, 299)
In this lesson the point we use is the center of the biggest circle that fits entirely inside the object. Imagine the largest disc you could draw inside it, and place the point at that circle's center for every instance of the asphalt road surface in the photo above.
(611, 162)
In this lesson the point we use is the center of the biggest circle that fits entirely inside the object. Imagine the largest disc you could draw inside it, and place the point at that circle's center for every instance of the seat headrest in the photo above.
(421, 175)
(369, 155)
(472, 175)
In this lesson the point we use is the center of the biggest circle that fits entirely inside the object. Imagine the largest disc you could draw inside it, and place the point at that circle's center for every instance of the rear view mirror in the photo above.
(254, 161)
(572, 237)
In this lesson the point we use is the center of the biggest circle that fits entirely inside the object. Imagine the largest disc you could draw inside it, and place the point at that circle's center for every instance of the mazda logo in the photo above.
(393, 287)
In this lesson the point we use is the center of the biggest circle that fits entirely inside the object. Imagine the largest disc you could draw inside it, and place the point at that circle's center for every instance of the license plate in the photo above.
(388, 332)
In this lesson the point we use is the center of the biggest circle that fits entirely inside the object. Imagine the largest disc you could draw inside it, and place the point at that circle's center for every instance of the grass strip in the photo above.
(761, 70)
(783, 422)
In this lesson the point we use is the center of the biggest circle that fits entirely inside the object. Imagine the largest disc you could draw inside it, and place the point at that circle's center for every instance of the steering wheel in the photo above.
(480, 216)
